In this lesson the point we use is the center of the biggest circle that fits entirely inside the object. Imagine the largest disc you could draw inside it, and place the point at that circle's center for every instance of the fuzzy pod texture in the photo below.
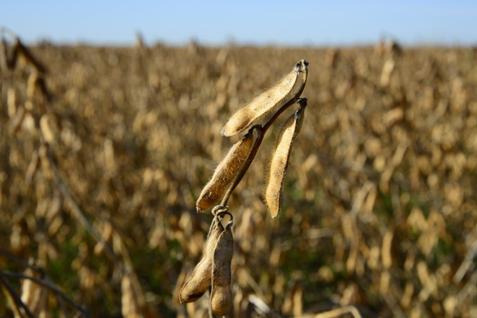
(262, 107)
(221, 296)
(200, 279)
(279, 162)
(225, 173)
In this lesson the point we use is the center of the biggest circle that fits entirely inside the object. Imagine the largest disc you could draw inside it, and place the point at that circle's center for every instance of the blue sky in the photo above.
(252, 22)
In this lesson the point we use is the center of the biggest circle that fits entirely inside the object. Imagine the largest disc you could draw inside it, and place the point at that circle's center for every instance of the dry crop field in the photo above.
(104, 153)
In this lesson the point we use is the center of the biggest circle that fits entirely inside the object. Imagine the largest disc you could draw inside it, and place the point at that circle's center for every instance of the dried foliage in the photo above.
(99, 179)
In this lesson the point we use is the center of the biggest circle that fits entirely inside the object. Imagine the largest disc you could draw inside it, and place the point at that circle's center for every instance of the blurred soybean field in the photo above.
(104, 150)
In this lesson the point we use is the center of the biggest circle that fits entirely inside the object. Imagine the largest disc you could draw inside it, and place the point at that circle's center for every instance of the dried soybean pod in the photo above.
(280, 158)
(225, 173)
(199, 280)
(262, 107)
(221, 296)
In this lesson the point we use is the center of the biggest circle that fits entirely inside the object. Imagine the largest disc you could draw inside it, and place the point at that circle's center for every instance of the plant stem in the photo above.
(20, 305)
(49, 286)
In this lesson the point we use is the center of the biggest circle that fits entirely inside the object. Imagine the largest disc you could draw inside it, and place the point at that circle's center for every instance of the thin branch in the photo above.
(21, 261)
(468, 289)
(18, 302)
(50, 286)
(467, 262)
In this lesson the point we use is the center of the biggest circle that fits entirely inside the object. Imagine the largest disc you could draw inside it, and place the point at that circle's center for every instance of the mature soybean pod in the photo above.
(225, 173)
(262, 107)
(200, 279)
(221, 296)
(280, 159)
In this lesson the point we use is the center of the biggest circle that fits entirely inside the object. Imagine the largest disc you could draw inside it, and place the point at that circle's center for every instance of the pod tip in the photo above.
(301, 65)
